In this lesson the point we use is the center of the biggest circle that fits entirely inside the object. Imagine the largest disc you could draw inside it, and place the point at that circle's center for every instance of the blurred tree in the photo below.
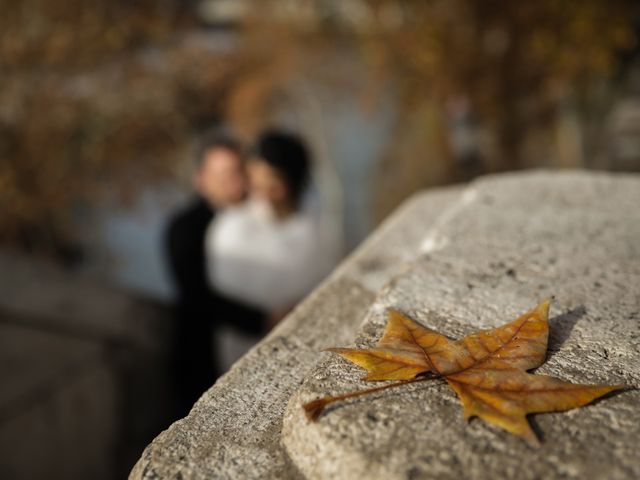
(473, 79)
(103, 96)
(96, 98)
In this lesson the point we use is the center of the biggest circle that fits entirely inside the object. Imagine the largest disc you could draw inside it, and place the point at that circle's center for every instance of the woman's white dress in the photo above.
(261, 260)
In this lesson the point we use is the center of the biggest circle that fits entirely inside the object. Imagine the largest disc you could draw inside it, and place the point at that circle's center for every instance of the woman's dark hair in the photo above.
(288, 154)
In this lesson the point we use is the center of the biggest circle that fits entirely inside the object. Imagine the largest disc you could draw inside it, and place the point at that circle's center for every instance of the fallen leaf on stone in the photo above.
(486, 369)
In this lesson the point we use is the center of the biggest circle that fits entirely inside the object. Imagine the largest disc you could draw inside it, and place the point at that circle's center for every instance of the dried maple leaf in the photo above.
(486, 369)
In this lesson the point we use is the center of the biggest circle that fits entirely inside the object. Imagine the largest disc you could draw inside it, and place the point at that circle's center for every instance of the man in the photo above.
(219, 182)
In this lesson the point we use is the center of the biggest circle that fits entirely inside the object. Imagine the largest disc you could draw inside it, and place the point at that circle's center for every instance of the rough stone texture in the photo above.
(233, 431)
(508, 242)
(457, 260)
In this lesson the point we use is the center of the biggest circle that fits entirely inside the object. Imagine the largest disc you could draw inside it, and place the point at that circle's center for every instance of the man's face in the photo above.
(221, 178)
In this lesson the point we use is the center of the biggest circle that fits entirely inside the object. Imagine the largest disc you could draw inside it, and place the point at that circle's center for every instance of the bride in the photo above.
(265, 253)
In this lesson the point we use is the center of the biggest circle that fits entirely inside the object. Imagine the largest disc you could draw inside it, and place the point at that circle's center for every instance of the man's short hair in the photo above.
(222, 140)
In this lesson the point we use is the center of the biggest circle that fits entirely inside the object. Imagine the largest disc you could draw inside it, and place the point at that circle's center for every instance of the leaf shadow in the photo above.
(532, 417)
(535, 426)
(560, 328)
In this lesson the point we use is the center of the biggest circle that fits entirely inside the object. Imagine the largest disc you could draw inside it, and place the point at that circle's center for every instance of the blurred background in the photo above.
(103, 102)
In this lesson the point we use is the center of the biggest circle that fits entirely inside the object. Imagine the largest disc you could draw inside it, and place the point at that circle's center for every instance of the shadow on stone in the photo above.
(560, 328)
(532, 418)
(535, 426)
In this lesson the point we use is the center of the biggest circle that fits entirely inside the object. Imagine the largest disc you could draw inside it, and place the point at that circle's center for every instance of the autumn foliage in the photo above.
(487, 369)
(102, 98)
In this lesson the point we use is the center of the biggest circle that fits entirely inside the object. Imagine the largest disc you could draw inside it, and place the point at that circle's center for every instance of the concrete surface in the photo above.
(510, 242)
(233, 431)
(456, 260)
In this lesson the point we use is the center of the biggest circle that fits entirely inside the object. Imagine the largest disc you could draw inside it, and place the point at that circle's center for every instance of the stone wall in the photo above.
(457, 260)
(77, 361)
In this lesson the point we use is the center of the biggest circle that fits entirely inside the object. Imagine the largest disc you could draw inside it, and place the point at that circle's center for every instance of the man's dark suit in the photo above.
(199, 308)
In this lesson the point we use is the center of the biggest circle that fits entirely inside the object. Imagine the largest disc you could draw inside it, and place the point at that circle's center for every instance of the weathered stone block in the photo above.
(234, 430)
(539, 235)
(457, 261)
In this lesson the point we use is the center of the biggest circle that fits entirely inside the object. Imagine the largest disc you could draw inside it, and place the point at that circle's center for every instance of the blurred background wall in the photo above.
(101, 104)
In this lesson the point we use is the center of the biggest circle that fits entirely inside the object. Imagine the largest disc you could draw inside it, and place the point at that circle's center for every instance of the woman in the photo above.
(265, 252)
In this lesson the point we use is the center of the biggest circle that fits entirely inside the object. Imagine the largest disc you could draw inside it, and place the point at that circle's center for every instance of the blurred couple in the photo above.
(244, 252)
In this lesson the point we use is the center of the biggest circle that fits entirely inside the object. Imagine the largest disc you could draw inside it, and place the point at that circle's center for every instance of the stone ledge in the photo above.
(508, 243)
(457, 260)
(233, 431)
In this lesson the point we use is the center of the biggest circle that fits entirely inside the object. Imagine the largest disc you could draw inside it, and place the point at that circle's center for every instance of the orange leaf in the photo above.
(486, 369)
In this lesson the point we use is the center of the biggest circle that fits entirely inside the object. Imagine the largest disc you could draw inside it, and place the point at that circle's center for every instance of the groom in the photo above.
(219, 181)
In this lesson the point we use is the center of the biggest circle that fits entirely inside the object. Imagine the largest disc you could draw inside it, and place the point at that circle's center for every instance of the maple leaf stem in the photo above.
(314, 408)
